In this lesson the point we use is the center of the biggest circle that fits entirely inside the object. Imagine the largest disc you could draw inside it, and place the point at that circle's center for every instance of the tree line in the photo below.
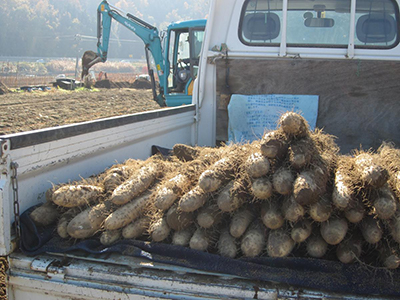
(53, 28)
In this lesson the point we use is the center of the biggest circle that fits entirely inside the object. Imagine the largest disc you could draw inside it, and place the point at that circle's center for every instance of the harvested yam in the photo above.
(185, 152)
(316, 246)
(64, 220)
(201, 240)
(209, 181)
(305, 188)
(271, 214)
(389, 256)
(371, 230)
(137, 228)
(88, 222)
(371, 173)
(182, 237)
(355, 212)
(257, 165)
(253, 241)
(282, 181)
(177, 219)
(343, 186)
(301, 231)
(127, 213)
(49, 194)
(229, 199)
(76, 195)
(334, 230)
(45, 214)
(390, 159)
(112, 181)
(395, 182)
(261, 188)
(221, 171)
(384, 203)
(159, 229)
(193, 200)
(292, 211)
(136, 184)
(327, 149)
(321, 176)
(301, 153)
(293, 125)
(169, 192)
(349, 249)
(321, 210)
(394, 226)
(241, 219)
(109, 237)
(279, 243)
(227, 244)
(118, 174)
(209, 216)
(126, 169)
(274, 145)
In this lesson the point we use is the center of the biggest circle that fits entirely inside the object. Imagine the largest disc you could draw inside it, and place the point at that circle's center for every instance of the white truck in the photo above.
(346, 52)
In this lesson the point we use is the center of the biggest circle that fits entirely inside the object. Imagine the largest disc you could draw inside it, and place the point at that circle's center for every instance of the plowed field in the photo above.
(26, 111)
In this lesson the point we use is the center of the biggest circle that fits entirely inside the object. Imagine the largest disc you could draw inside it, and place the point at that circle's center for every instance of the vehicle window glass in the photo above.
(376, 23)
(183, 46)
(319, 23)
(171, 57)
(198, 36)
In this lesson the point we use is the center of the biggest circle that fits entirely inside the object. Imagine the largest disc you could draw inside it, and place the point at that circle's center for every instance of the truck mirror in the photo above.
(319, 22)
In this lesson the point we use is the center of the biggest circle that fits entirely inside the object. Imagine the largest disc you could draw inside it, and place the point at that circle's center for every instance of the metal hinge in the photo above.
(4, 146)
(48, 265)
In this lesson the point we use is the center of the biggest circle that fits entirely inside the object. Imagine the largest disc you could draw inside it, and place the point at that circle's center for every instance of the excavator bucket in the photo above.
(89, 58)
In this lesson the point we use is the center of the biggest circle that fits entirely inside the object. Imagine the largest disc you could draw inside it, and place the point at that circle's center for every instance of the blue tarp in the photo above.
(251, 115)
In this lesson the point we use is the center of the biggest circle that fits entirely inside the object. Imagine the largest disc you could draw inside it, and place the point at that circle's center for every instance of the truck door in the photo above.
(184, 47)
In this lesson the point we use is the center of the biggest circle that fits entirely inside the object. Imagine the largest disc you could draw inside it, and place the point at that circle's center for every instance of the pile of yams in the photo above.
(290, 192)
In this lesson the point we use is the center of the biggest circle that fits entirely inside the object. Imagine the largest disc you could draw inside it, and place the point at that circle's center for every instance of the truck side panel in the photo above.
(85, 150)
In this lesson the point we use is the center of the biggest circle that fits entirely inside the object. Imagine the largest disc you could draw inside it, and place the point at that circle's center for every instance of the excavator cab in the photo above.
(183, 46)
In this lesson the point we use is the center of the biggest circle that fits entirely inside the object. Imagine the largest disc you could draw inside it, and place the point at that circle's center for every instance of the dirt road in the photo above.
(36, 110)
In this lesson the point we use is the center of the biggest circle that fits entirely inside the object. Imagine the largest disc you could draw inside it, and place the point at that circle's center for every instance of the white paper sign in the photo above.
(250, 116)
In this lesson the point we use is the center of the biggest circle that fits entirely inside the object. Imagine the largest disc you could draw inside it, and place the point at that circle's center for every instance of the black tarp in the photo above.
(300, 272)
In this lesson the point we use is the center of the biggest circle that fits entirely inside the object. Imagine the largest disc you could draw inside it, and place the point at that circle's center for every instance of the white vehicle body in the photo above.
(58, 155)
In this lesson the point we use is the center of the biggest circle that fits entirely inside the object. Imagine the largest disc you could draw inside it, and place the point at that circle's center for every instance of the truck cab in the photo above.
(336, 50)
(182, 50)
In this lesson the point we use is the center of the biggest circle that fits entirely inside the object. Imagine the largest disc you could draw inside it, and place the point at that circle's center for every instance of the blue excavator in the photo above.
(172, 56)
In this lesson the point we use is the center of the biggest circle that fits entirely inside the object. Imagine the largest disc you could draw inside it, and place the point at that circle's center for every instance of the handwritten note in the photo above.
(250, 116)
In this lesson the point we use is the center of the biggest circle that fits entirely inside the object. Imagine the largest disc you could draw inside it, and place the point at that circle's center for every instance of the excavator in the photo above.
(176, 64)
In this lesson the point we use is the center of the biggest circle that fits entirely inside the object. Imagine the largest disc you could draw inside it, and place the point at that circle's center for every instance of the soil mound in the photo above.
(4, 89)
(141, 83)
(106, 84)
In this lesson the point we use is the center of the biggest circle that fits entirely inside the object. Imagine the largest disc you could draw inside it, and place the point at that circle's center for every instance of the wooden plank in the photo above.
(358, 100)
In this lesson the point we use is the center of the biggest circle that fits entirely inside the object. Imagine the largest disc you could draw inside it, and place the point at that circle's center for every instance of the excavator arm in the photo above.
(146, 32)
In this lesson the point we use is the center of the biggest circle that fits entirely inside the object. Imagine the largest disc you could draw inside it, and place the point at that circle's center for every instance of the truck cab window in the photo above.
(322, 23)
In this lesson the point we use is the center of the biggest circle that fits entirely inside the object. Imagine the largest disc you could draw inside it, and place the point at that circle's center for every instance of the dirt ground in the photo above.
(26, 111)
